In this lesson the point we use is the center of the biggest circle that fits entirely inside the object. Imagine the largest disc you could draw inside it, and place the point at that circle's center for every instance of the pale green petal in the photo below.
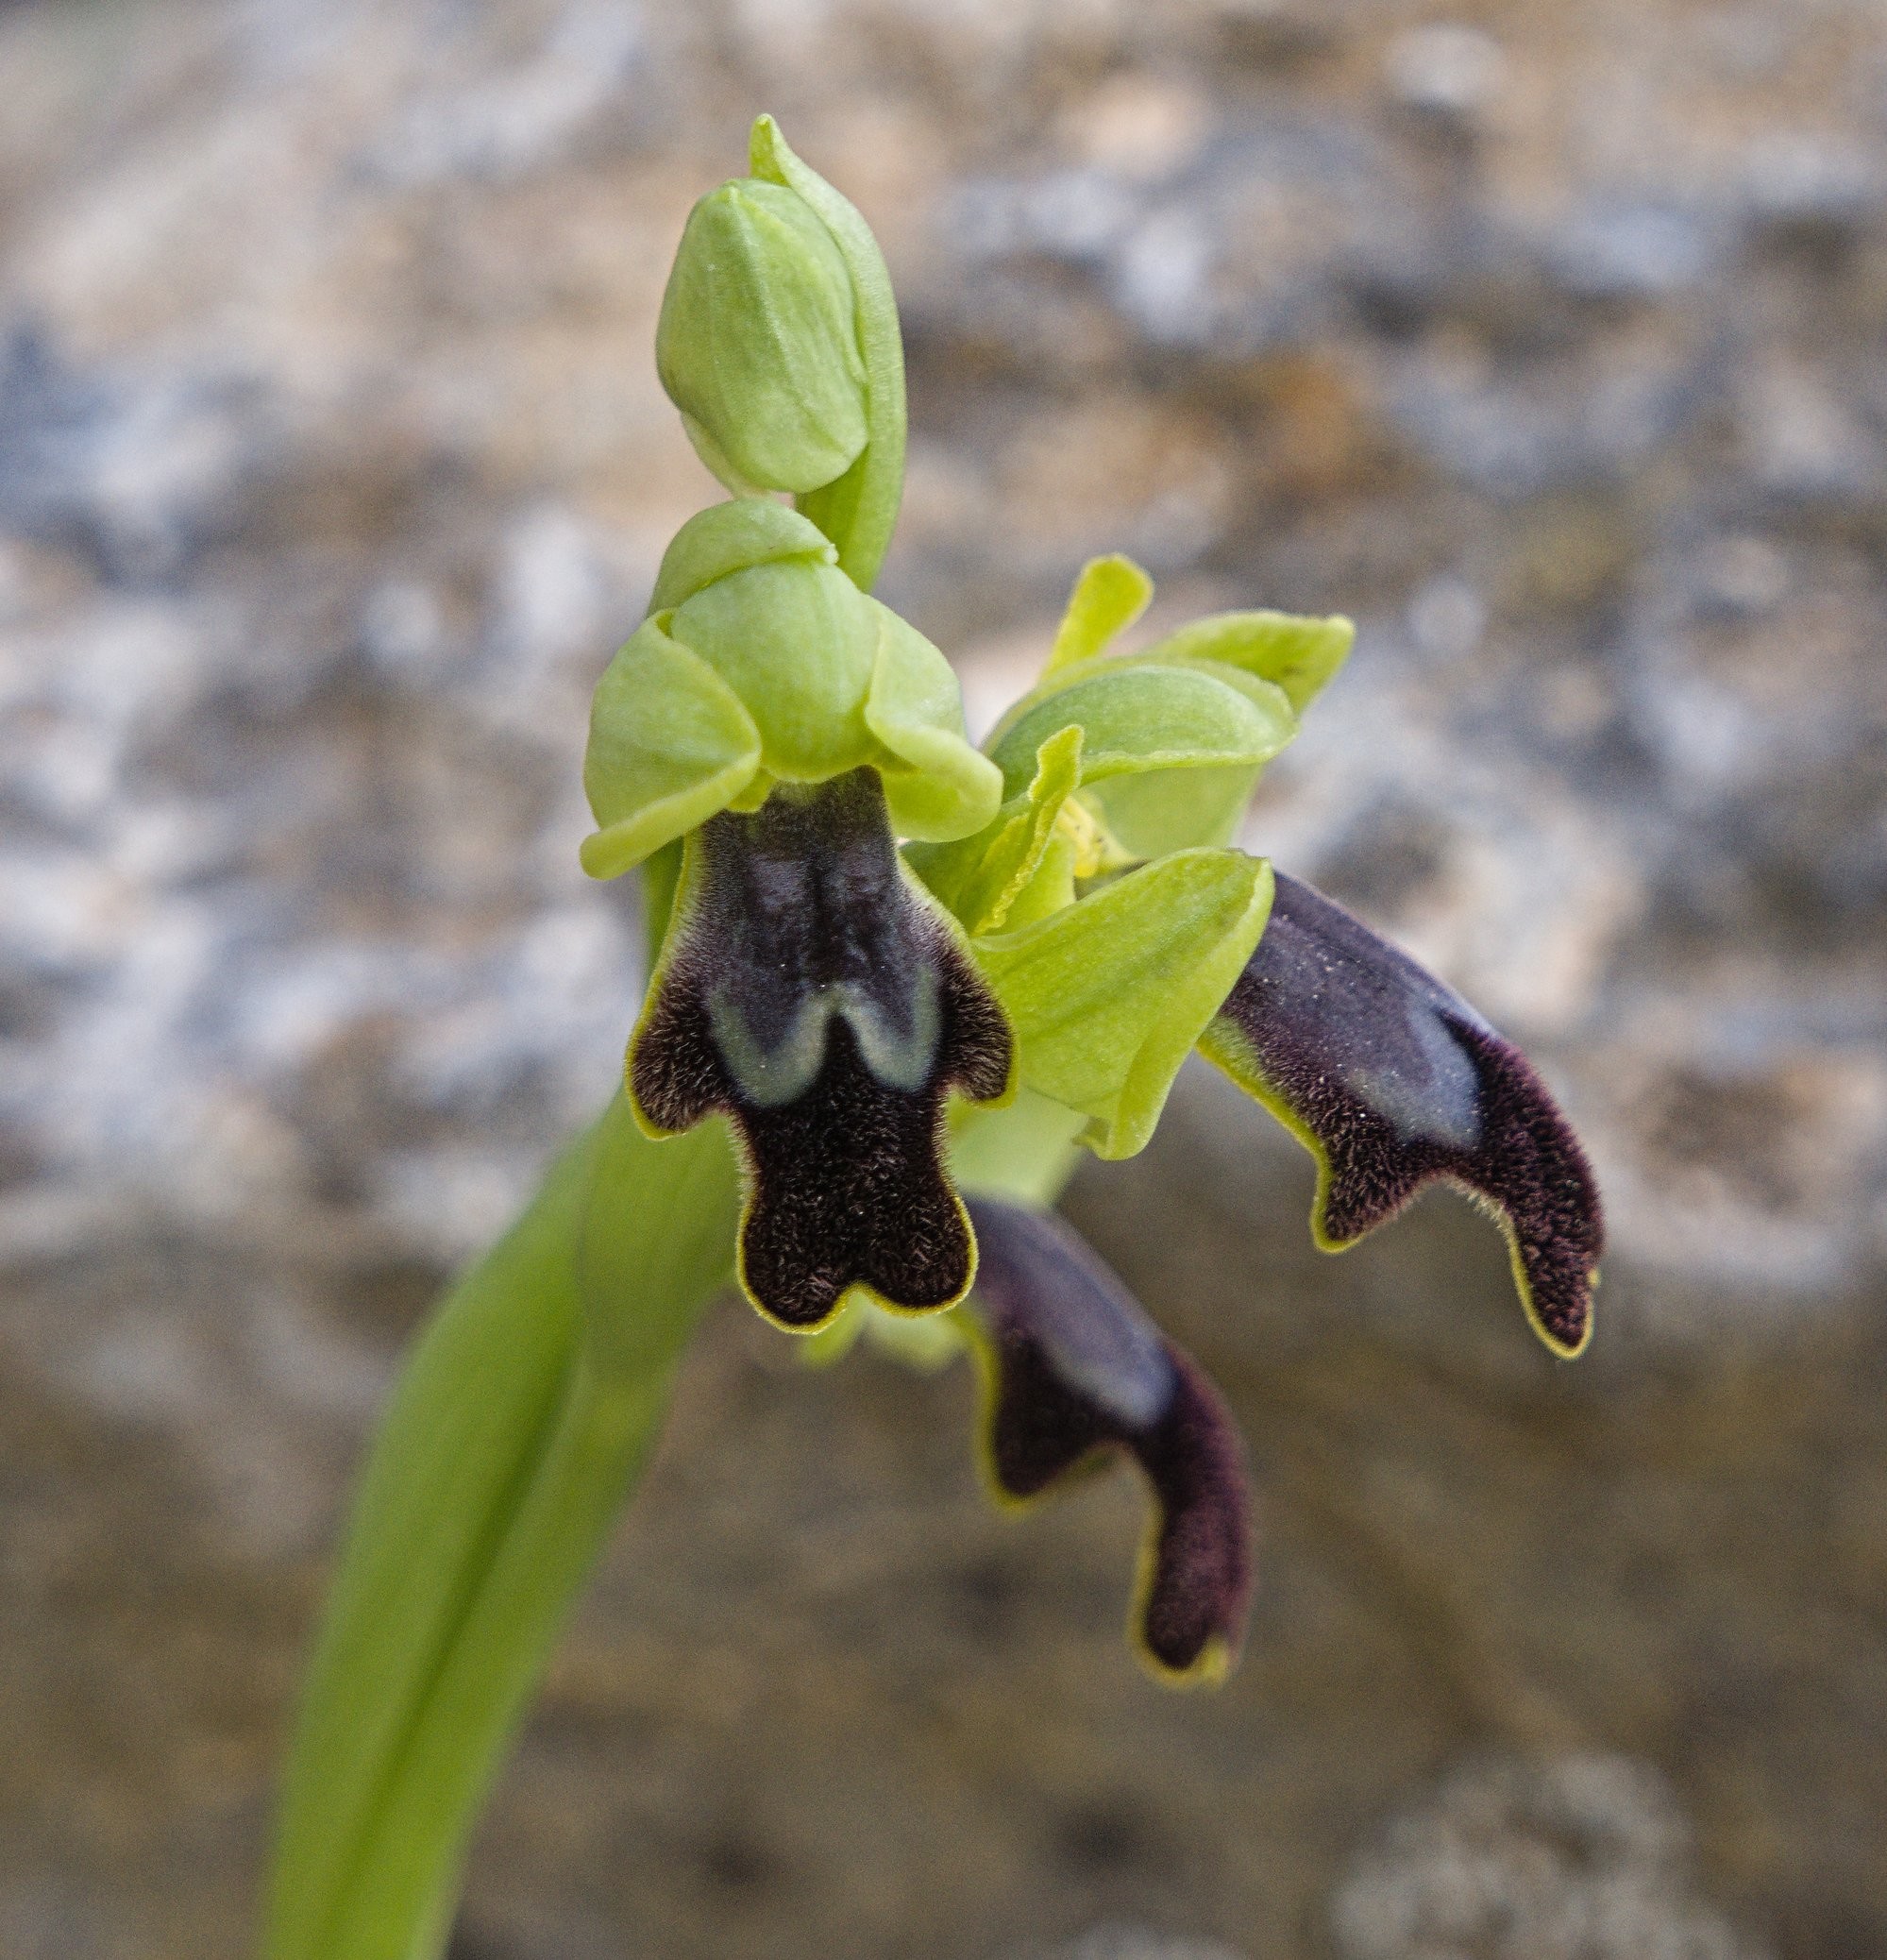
(1015, 854)
(979, 878)
(1108, 596)
(1048, 888)
(945, 788)
(1300, 654)
(670, 744)
(1108, 998)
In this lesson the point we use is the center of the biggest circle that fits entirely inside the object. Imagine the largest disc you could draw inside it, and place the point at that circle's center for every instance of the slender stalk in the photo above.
(521, 1421)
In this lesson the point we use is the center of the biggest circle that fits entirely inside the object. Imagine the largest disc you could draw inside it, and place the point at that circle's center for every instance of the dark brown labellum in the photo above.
(1392, 1080)
(813, 991)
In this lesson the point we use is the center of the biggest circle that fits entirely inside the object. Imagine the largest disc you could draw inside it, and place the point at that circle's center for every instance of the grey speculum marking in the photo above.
(813, 927)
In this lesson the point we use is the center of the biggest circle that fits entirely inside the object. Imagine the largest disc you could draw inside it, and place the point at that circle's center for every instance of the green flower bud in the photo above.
(761, 663)
(758, 341)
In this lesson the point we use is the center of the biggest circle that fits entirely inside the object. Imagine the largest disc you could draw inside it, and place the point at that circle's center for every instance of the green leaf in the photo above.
(945, 788)
(1299, 654)
(522, 1417)
(1107, 997)
(670, 743)
(1108, 596)
(859, 511)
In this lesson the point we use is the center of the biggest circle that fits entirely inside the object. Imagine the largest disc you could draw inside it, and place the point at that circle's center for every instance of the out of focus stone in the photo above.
(1578, 1858)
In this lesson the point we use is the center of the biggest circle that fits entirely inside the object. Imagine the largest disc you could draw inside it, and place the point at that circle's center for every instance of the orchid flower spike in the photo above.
(880, 948)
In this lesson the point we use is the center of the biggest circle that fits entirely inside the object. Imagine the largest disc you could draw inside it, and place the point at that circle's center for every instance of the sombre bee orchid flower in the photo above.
(897, 982)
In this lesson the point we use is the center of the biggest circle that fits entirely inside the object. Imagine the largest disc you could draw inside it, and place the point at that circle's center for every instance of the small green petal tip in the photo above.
(1110, 594)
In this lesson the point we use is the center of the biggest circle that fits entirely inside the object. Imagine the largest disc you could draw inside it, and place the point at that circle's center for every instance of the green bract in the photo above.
(779, 343)
(762, 662)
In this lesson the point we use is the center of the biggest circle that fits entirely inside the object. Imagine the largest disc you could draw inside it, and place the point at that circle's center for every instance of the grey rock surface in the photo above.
(1575, 1858)
(1547, 342)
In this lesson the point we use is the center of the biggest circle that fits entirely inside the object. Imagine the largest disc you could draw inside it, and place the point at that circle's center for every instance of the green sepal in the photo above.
(1301, 655)
(757, 344)
(1109, 595)
(826, 1347)
(937, 785)
(1140, 715)
(763, 662)
(859, 510)
(924, 1342)
(520, 1420)
(1107, 997)
(1206, 727)
(981, 878)
(670, 743)
(729, 537)
(797, 641)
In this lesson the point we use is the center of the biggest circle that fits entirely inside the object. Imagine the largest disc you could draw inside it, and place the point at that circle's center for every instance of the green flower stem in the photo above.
(518, 1430)
(524, 1415)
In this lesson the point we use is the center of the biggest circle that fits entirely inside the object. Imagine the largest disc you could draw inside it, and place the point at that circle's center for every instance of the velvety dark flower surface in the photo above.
(813, 992)
(1392, 1080)
(1075, 1366)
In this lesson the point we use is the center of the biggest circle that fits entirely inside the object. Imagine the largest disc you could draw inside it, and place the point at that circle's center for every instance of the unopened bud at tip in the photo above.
(757, 344)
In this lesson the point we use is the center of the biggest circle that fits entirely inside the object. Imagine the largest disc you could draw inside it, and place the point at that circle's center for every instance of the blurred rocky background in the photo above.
(1550, 341)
